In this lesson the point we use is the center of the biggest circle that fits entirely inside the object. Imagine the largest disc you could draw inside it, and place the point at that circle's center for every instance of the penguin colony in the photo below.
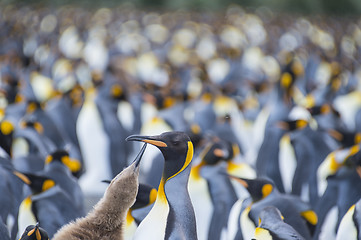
(252, 121)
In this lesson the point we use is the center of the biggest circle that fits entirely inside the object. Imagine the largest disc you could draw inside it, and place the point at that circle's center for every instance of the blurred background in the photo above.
(264, 81)
(345, 7)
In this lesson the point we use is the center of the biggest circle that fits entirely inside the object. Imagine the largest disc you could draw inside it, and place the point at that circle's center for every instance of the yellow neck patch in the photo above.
(207, 97)
(152, 196)
(354, 149)
(357, 138)
(48, 184)
(6, 127)
(129, 218)
(116, 90)
(48, 159)
(195, 171)
(38, 127)
(31, 108)
(325, 109)
(168, 102)
(72, 164)
(19, 98)
(310, 216)
(266, 190)
(161, 194)
(301, 124)
(286, 80)
(334, 165)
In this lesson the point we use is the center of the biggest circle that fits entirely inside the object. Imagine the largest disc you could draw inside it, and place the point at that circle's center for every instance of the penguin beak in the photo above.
(242, 181)
(139, 156)
(283, 125)
(154, 140)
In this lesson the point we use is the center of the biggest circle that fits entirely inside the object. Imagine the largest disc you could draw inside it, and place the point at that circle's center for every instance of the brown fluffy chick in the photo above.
(106, 220)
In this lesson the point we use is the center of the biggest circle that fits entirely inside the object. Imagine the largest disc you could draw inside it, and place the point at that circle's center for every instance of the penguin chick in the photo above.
(34, 232)
(272, 226)
(107, 218)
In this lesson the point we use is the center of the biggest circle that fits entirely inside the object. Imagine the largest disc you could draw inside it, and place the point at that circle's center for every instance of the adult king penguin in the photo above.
(172, 216)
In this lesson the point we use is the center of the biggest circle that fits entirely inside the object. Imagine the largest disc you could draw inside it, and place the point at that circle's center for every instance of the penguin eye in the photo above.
(175, 143)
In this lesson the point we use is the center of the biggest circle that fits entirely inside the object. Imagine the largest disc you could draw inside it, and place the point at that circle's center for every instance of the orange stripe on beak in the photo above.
(155, 143)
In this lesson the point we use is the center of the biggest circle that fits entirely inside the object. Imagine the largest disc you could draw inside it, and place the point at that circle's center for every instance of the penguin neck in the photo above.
(181, 212)
(108, 215)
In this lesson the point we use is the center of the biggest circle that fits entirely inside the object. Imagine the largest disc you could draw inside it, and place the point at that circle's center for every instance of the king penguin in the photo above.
(272, 226)
(172, 216)
(94, 145)
(264, 193)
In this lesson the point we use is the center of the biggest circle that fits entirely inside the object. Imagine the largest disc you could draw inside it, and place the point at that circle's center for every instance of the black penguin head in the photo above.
(319, 110)
(63, 157)
(37, 183)
(32, 124)
(258, 188)
(217, 151)
(34, 232)
(345, 137)
(176, 148)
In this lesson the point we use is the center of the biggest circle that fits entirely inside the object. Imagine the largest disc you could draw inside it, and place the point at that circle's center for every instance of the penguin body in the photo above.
(36, 143)
(223, 197)
(107, 105)
(50, 130)
(267, 164)
(94, 145)
(4, 232)
(342, 181)
(145, 197)
(11, 187)
(61, 114)
(350, 224)
(172, 216)
(60, 111)
(272, 225)
(57, 169)
(296, 213)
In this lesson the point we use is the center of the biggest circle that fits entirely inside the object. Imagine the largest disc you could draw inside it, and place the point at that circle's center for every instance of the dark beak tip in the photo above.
(129, 138)
(140, 155)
